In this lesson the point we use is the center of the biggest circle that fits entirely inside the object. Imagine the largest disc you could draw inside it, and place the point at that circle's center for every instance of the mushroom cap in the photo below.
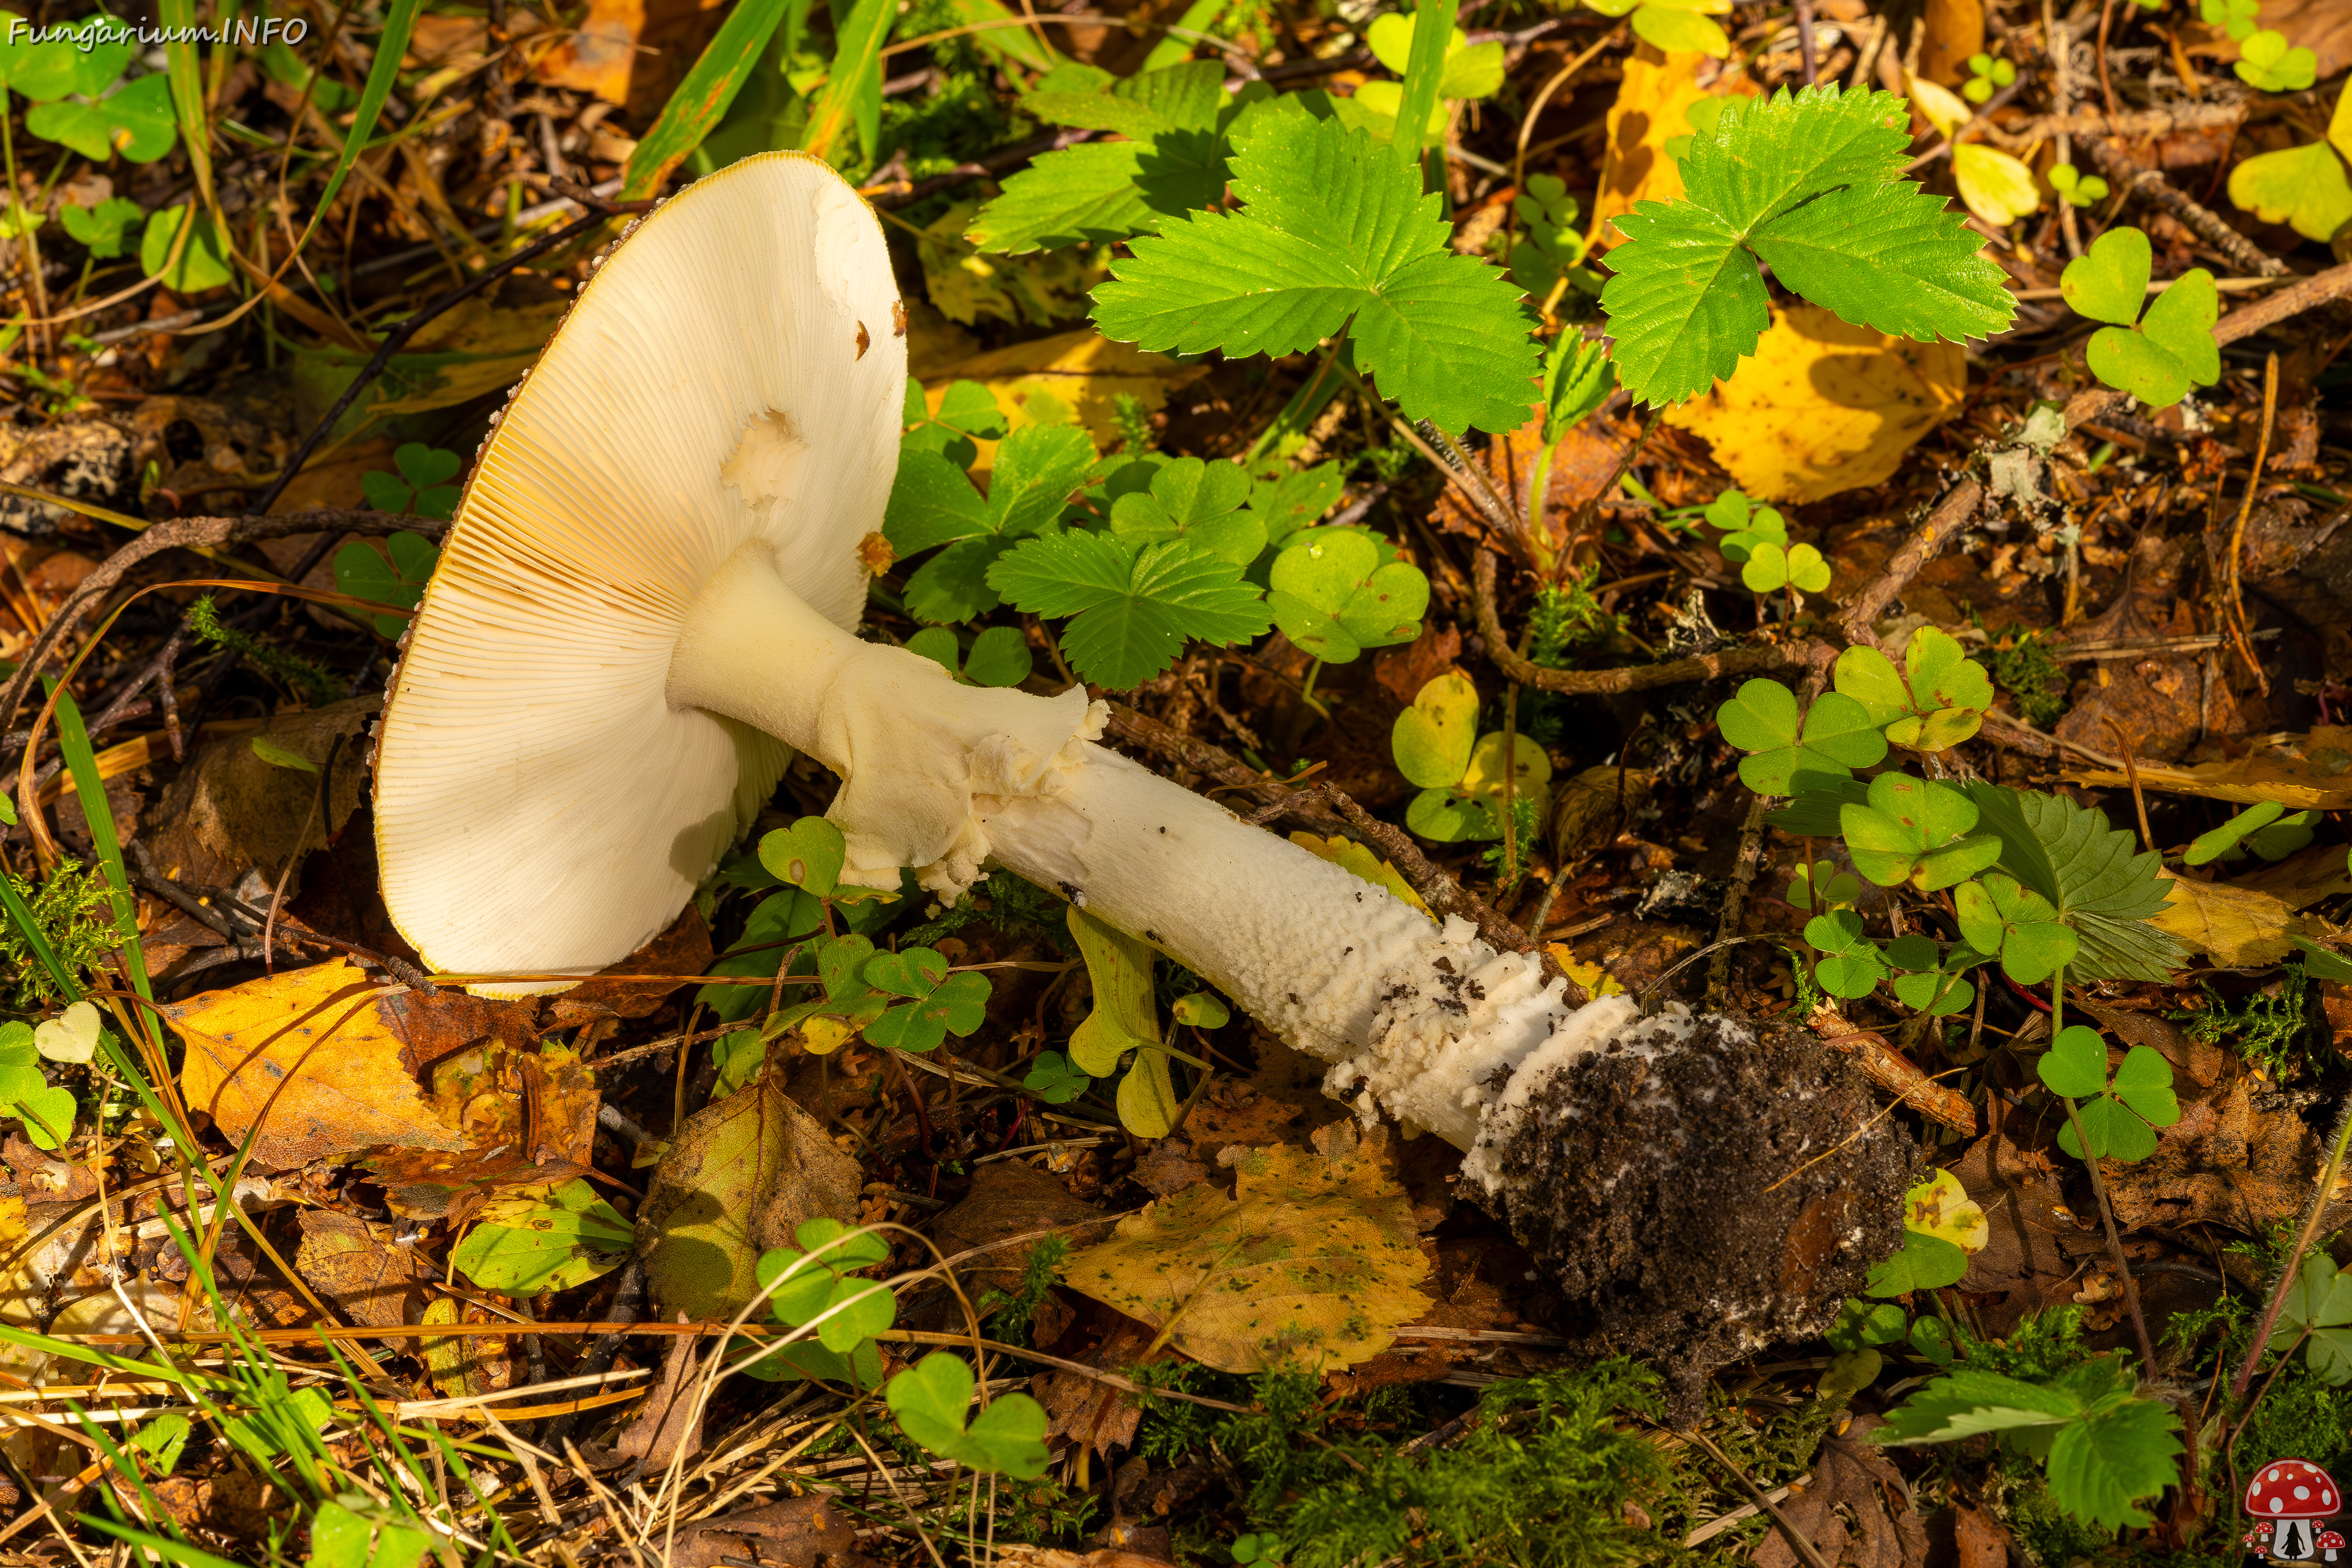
(2331, 1541)
(734, 371)
(2292, 1488)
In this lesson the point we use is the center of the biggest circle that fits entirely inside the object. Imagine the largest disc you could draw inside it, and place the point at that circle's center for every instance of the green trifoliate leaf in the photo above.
(1998, 916)
(2075, 1065)
(1198, 501)
(2119, 1118)
(930, 1399)
(1851, 964)
(2102, 886)
(1332, 597)
(1916, 831)
(1132, 607)
(136, 123)
(104, 229)
(1934, 704)
(2265, 61)
(967, 414)
(957, 1006)
(1838, 737)
(2158, 359)
(1770, 567)
(2235, 17)
(1812, 184)
(1333, 232)
(1055, 1080)
(1431, 741)
(2319, 1304)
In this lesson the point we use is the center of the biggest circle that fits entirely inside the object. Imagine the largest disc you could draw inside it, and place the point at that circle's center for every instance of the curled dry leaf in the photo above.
(361, 1270)
(1823, 407)
(1309, 1265)
(232, 811)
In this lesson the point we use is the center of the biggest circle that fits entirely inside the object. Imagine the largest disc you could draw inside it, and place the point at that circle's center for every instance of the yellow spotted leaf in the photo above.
(1822, 406)
(1939, 1206)
(1309, 1266)
(1597, 982)
(1350, 855)
(2235, 927)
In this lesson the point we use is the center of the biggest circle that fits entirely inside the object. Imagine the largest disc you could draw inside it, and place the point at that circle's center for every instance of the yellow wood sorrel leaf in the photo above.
(1823, 407)
(1309, 1266)
(1941, 1207)
(314, 1058)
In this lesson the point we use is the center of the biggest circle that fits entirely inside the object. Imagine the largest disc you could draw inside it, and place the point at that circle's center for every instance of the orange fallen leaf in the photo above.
(1822, 407)
(310, 1058)
(597, 57)
(1652, 108)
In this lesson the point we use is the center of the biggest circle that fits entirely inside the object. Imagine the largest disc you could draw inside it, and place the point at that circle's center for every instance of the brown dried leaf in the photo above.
(2235, 927)
(2243, 1159)
(229, 811)
(801, 1531)
(1087, 1409)
(2304, 773)
(357, 1268)
(1852, 1479)
(668, 1423)
(1009, 1200)
(683, 949)
(1309, 1264)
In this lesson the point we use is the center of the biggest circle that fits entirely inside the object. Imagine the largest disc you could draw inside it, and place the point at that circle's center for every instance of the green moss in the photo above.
(2301, 1417)
(2027, 669)
(315, 684)
(75, 915)
(2270, 1026)
(2042, 1346)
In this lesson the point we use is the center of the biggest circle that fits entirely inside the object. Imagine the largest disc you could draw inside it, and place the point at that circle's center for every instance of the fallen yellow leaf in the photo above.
(1997, 186)
(1309, 1266)
(1349, 855)
(2306, 772)
(311, 1059)
(596, 57)
(1652, 108)
(2235, 927)
(1939, 1206)
(1597, 982)
(1823, 407)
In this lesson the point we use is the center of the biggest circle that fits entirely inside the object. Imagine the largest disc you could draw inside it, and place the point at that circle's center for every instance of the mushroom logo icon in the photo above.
(2289, 1499)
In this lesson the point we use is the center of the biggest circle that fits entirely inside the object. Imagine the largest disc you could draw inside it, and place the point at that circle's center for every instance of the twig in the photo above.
(1613, 682)
(2151, 187)
(2131, 772)
(1892, 1071)
(1797, 1540)
(2236, 608)
(1951, 514)
(1735, 900)
(191, 532)
(1806, 57)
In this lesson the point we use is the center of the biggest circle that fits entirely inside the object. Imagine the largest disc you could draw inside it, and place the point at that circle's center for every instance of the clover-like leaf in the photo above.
(807, 855)
(2265, 61)
(1919, 831)
(1837, 738)
(1998, 915)
(363, 573)
(957, 1008)
(1822, 886)
(2302, 186)
(1431, 741)
(816, 1282)
(1055, 1080)
(2158, 359)
(105, 229)
(2119, 1116)
(200, 262)
(1925, 1263)
(1332, 597)
(930, 1399)
(1196, 500)
(1851, 964)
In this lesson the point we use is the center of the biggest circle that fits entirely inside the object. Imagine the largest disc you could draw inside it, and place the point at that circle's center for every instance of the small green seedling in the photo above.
(1999, 915)
(422, 485)
(2119, 1117)
(815, 1282)
(361, 571)
(2265, 828)
(104, 229)
(201, 261)
(1204, 502)
(1837, 889)
(1850, 964)
(2234, 17)
(1333, 597)
(1987, 75)
(2158, 359)
(930, 1399)
(1554, 248)
(521, 1245)
(47, 1111)
(2074, 187)
(1838, 736)
(2317, 1313)
(1916, 831)
(998, 656)
(1201, 1010)
(1267, 1548)
(2265, 62)
(1436, 745)
(1935, 702)
(1055, 1080)
(1930, 981)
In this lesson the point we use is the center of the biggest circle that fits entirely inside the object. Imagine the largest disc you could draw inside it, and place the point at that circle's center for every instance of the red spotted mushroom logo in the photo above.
(2291, 1502)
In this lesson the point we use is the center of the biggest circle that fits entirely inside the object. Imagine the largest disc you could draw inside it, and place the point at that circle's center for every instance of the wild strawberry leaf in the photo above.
(1811, 184)
(1132, 607)
(1334, 232)
(2102, 887)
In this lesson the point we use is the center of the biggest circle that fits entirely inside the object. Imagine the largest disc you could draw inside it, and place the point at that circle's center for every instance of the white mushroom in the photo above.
(649, 596)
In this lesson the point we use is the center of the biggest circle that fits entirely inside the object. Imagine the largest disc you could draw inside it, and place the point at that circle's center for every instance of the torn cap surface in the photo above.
(733, 372)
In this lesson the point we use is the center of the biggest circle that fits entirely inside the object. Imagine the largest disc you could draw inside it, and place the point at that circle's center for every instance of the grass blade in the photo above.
(399, 22)
(20, 915)
(853, 88)
(702, 100)
(73, 741)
